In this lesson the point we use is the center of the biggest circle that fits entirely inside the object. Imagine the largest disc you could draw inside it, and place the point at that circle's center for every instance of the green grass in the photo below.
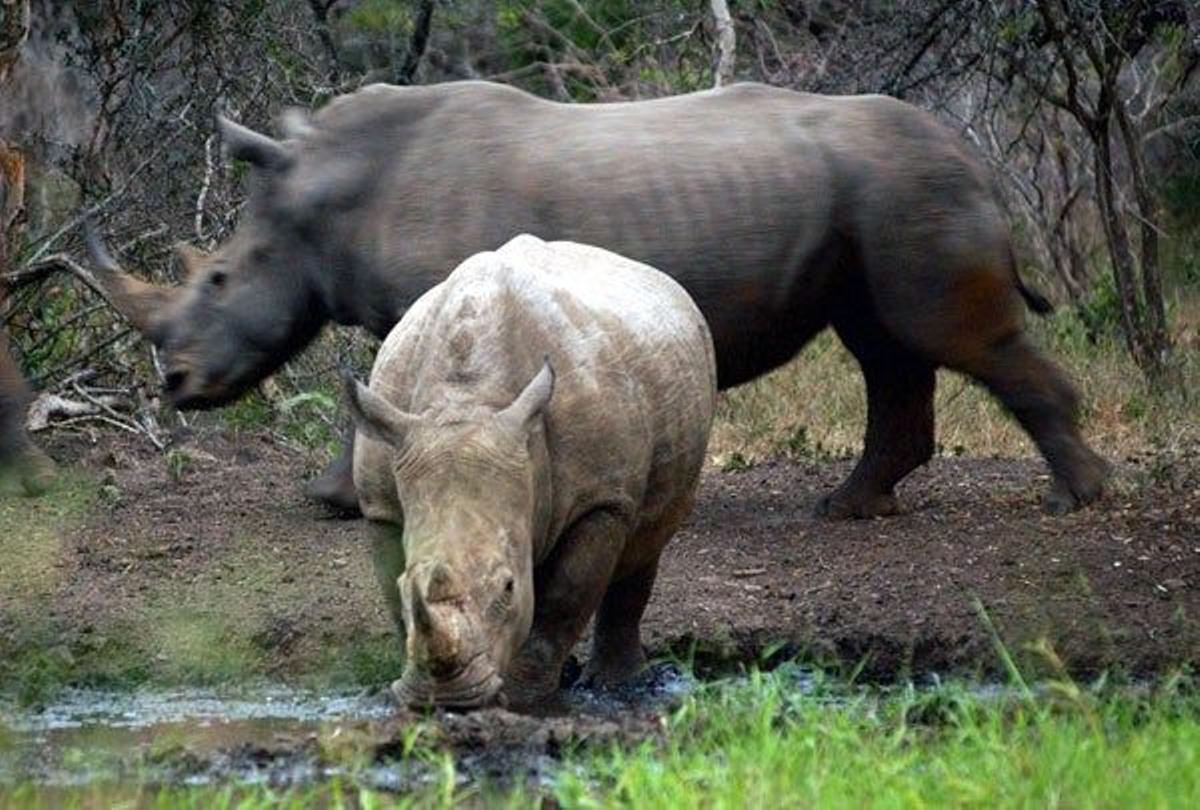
(760, 742)
(762, 745)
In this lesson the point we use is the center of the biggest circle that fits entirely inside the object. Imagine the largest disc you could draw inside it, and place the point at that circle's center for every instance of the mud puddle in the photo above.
(283, 738)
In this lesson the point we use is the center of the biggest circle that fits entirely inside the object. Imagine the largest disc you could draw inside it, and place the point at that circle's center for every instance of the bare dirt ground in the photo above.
(217, 542)
(207, 567)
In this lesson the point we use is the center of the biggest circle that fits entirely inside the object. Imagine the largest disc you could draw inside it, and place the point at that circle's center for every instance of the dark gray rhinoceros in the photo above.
(531, 440)
(781, 213)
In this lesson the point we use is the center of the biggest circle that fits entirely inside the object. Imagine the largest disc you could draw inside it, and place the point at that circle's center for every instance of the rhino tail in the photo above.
(1035, 300)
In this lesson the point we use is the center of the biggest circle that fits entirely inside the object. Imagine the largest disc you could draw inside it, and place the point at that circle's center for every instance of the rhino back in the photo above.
(635, 374)
(749, 196)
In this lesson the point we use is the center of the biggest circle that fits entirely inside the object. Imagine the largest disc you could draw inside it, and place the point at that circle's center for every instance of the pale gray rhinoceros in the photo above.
(531, 439)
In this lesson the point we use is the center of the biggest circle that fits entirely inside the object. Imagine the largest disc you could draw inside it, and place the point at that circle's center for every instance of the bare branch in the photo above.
(417, 44)
(726, 43)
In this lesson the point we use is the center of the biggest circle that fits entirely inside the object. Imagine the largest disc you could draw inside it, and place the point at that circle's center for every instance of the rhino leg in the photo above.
(335, 486)
(617, 652)
(18, 454)
(899, 421)
(570, 586)
(1039, 396)
(387, 556)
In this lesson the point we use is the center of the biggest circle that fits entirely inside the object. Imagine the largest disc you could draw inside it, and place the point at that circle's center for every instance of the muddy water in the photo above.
(284, 737)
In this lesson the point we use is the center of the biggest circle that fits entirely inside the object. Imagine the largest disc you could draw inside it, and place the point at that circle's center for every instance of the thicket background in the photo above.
(1087, 110)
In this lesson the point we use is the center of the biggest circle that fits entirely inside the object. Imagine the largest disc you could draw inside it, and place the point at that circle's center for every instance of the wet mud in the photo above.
(285, 738)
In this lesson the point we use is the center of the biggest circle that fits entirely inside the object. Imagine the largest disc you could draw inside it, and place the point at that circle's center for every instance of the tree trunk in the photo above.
(1124, 272)
(12, 200)
(320, 10)
(726, 43)
(1157, 337)
(14, 29)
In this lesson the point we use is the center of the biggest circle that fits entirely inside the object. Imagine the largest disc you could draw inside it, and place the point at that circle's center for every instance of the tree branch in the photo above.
(726, 43)
(417, 44)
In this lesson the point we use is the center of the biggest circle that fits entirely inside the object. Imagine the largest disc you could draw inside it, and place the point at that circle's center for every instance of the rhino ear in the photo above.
(295, 124)
(255, 148)
(374, 415)
(532, 402)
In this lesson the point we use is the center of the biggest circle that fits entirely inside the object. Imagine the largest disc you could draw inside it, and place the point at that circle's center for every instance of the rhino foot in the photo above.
(33, 469)
(1086, 486)
(533, 677)
(840, 505)
(607, 672)
(37, 472)
(335, 489)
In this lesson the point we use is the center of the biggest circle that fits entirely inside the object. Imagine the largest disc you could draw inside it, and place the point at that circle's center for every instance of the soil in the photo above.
(753, 577)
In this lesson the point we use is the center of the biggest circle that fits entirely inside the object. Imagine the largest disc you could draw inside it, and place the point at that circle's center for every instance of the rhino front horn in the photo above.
(441, 584)
(141, 303)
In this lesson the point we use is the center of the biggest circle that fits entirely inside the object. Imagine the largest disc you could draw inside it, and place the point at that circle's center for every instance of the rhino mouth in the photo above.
(192, 391)
(474, 685)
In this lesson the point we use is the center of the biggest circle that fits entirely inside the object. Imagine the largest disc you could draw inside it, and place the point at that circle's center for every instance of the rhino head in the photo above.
(248, 307)
(469, 491)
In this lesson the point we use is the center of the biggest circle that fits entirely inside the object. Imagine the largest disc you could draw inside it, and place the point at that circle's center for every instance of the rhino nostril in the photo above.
(175, 379)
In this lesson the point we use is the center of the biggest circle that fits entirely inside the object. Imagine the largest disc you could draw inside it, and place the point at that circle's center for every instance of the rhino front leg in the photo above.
(617, 643)
(569, 588)
(387, 556)
(335, 486)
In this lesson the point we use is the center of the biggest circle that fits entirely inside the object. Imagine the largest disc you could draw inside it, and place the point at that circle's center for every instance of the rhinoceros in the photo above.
(18, 455)
(781, 213)
(531, 439)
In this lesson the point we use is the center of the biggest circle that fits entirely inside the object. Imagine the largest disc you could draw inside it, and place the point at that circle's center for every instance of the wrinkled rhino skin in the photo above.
(532, 437)
(781, 213)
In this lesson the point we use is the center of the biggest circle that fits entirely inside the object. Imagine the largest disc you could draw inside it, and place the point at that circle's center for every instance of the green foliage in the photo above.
(381, 16)
(365, 659)
(178, 461)
(38, 663)
(1100, 311)
(609, 34)
(307, 418)
(251, 411)
(734, 462)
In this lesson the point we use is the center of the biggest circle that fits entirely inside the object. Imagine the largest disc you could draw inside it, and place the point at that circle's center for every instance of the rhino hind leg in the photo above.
(899, 435)
(1038, 394)
(335, 486)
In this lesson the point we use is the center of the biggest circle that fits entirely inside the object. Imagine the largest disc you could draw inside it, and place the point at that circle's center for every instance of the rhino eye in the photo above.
(217, 279)
(508, 587)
